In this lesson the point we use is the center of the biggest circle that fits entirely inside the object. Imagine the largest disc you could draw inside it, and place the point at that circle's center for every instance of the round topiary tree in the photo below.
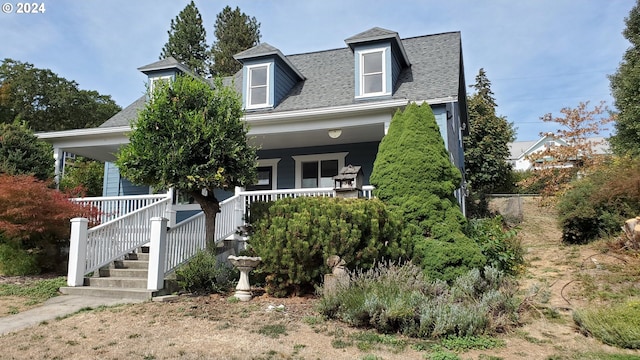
(413, 173)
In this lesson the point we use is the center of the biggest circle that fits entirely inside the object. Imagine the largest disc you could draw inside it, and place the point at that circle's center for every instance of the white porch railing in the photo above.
(106, 208)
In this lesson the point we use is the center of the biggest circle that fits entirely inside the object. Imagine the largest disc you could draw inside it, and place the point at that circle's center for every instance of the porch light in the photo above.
(335, 133)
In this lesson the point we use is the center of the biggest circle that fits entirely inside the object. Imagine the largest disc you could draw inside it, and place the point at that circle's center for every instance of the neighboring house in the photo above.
(522, 151)
(310, 114)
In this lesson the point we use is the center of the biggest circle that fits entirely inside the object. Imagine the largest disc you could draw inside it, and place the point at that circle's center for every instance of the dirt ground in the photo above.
(557, 280)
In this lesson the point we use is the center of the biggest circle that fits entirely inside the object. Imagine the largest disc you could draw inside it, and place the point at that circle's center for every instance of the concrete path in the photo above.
(56, 307)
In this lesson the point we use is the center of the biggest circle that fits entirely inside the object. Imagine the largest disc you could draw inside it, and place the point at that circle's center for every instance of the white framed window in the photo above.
(267, 175)
(154, 80)
(258, 86)
(318, 170)
(373, 79)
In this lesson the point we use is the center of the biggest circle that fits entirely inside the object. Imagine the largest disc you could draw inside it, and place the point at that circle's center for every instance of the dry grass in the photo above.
(213, 328)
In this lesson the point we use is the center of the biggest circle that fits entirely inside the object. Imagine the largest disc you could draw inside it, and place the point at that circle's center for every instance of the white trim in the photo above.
(361, 74)
(274, 170)
(267, 86)
(81, 132)
(299, 159)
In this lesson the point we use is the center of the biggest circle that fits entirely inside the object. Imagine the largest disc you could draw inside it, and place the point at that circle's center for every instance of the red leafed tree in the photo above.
(29, 207)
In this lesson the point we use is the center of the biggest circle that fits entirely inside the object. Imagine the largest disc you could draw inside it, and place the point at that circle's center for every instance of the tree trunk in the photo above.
(211, 208)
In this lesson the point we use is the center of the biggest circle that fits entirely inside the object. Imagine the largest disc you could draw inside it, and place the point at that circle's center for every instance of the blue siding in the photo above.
(114, 185)
(284, 81)
(395, 66)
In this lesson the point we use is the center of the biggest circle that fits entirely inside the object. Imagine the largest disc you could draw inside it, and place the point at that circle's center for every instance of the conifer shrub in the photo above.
(414, 175)
(203, 274)
(298, 235)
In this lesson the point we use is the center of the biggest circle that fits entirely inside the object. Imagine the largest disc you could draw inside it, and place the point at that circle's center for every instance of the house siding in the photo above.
(114, 185)
(284, 81)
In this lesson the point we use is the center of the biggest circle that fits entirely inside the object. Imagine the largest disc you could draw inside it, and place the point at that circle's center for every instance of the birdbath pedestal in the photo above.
(244, 264)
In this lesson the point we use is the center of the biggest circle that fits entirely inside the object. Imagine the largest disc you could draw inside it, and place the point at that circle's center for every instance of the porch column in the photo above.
(157, 253)
(58, 155)
(170, 211)
(386, 127)
(77, 251)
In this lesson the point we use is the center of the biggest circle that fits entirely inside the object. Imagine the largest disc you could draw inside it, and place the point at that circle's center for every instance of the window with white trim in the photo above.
(154, 80)
(258, 86)
(372, 72)
(317, 171)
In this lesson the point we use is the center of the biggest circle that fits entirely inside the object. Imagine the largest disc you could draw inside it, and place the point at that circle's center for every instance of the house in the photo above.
(521, 152)
(311, 114)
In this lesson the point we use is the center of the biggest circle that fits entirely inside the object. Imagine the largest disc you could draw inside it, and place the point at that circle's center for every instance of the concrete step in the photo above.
(137, 256)
(118, 293)
(124, 273)
(131, 264)
(116, 282)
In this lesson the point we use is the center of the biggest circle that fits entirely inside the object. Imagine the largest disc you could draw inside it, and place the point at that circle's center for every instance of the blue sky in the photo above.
(540, 55)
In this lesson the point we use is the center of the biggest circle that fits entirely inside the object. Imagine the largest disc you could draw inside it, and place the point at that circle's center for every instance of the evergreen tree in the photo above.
(624, 87)
(413, 173)
(191, 137)
(187, 40)
(235, 31)
(486, 146)
(22, 153)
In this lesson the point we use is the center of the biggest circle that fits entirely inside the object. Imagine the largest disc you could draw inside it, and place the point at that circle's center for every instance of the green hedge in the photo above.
(298, 235)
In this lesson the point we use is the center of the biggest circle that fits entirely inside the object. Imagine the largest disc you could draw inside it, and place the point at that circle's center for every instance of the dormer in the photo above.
(163, 70)
(379, 59)
(267, 76)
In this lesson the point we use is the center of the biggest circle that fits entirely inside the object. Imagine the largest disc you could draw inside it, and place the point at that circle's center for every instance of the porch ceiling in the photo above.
(318, 137)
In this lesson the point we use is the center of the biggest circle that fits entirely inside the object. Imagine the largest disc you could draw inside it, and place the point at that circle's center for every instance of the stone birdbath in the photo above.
(245, 264)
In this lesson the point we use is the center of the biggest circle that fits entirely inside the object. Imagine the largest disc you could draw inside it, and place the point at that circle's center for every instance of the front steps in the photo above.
(123, 279)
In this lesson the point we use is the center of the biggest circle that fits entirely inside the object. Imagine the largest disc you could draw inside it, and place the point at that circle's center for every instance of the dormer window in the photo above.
(156, 80)
(372, 65)
(258, 86)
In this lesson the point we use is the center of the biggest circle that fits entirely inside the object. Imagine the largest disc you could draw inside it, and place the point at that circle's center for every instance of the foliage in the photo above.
(16, 261)
(35, 218)
(37, 291)
(556, 166)
(47, 102)
(191, 136)
(299, 234)
(466, 343)
(599, 203)
(187, 40)
(204, 275)
(235, 32)
(85, 174)
(624, 89)
(487, 145)
(21, 152)
(399, 298)
(412, 172)
(499, 245)
(617, 325)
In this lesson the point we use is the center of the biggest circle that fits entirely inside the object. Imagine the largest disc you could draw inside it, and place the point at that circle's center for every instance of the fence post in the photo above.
(77, 251)
(157, 253)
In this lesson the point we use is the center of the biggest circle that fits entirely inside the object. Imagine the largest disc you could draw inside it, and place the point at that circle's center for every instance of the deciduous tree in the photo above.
(47, 102)
(235, 31)
(191, 136)
(187, 40)
(624, 88)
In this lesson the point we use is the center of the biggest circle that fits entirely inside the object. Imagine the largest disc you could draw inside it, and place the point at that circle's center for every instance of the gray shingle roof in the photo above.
(372, 34)
(330, 81)
(164, 64)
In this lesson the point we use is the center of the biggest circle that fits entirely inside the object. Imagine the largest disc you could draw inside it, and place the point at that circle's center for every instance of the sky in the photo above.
(540, 55)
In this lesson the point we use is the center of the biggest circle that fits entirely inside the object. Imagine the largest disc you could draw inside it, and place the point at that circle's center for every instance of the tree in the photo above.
(556, 166)
(47, 102)
(487, 145)
(235, 31)
(413, 173)
(191, 136)
(624, 88)
(83, 174)
(21, 152)
(187, 40)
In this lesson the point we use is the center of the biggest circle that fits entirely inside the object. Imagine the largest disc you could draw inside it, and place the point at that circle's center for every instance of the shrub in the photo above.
(84, 173)
(204, 275)
(16, 261)
(598, 204)
(500, 246)
(618, 325)
(298, 235)
(22, 153)
(398, 298)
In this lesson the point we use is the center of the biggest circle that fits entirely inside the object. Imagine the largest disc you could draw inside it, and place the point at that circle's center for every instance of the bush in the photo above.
(598, 204)
(15, 261)
(500, 246)
(204, 275)
(617, 326)
(298, 235)
(448, 259)
(398, 298)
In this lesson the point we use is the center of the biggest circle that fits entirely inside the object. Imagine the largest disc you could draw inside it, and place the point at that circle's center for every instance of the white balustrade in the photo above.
(106, 208)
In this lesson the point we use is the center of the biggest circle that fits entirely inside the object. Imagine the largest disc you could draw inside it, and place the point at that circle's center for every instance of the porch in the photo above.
(124, 224)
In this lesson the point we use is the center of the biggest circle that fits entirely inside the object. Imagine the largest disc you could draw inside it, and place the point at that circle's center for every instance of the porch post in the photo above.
(170, 212)
(58, 155)
(157, 253)
(77, 251)
(386, 127)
